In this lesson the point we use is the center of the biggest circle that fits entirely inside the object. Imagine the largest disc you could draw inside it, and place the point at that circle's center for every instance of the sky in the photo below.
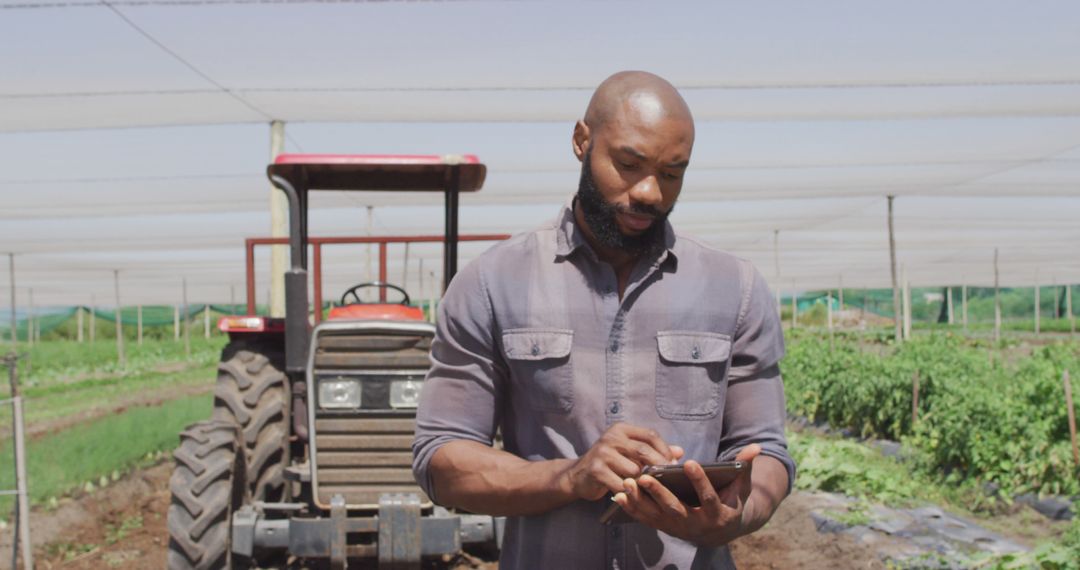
(135, 135)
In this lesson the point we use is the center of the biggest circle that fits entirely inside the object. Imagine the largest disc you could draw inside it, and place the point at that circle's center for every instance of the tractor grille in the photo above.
(363, 458)
(365, 453)
(351, 350)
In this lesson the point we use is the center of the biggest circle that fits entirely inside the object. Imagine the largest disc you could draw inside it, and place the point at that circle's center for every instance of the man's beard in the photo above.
(599, 215)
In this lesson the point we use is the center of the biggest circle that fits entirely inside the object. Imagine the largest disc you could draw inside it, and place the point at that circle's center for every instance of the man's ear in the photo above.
(580, 140)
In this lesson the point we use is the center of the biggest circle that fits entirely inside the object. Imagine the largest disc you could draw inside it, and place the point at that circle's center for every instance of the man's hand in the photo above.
(722, 517)
(620, 453)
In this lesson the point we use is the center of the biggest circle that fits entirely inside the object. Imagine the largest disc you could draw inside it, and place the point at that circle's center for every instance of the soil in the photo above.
(123, 527)
(791, 540)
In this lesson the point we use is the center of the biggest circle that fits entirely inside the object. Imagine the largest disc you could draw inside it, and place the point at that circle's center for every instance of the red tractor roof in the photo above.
(378, 171)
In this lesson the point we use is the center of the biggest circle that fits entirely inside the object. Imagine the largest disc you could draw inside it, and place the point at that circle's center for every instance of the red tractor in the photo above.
(307, 458)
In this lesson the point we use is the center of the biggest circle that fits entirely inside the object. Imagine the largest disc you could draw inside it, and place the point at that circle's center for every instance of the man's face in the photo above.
(631, 176)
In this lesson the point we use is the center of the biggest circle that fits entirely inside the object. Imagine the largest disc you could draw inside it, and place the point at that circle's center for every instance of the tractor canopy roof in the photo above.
(379, 172)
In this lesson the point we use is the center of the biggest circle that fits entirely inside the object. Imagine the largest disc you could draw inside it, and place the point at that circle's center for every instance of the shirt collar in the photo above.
(569, 237)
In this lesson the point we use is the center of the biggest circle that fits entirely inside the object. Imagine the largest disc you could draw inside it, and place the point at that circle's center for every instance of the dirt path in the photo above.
(123, 527)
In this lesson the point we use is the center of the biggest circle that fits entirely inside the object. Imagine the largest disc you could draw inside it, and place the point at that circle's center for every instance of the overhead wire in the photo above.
(181, 60)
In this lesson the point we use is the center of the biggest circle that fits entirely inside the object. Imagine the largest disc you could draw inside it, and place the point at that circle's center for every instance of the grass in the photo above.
(95, 452)
(85, 397)
(64, 362)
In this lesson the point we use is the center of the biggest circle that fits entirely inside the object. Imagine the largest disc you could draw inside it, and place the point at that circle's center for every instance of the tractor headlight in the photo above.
(339, 393)
(404, 393)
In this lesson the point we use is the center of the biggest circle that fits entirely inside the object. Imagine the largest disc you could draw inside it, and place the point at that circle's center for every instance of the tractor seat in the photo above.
(376, 311)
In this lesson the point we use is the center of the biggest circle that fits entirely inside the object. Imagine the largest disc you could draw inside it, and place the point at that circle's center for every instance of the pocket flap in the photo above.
(537, 344)
(685, 347)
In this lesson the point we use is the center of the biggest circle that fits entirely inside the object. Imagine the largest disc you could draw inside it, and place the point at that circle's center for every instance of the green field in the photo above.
(986, 413)
(91, 419)
(97, 451)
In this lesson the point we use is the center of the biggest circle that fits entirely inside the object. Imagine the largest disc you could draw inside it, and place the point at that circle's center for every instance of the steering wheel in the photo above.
(377, 284)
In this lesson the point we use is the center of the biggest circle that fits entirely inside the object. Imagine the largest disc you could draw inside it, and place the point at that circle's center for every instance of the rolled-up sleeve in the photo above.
(754, 411)
(459, 398)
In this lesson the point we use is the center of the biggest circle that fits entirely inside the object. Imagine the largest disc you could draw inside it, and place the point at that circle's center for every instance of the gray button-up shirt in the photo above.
(533, 338)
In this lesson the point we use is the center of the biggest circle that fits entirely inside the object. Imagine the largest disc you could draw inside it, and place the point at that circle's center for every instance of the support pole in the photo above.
(422, 290)
(776, 262)
(914, 398)
(187, 318)
(794, 307)
(79, 325)
(897, 312)
(1038, 326)
(906, 305)
(138, 323)
(14, 319)
(1057, 298)
(30, 319)
(22, 496)
(370, 232)
(405, 269)
(93, 318)
(176, 322)
(206, 321)
(997, 300)
(434, 284)
(828, 311)
(20, 483)
(1072, 416)
(948, 299)
(279, 227)
(963, 306)
(120, 356)
(1068, 310)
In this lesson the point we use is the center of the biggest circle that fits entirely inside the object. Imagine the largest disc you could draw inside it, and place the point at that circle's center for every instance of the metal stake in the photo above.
(14, 321)
(22, 497)
(121, 357)
(897, 313)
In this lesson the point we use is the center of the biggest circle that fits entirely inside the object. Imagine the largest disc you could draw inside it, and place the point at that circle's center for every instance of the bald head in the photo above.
(636, 95)
(634, 144)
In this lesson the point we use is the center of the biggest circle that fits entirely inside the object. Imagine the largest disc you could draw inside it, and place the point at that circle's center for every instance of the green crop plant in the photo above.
(72, 459)
(1002, 422)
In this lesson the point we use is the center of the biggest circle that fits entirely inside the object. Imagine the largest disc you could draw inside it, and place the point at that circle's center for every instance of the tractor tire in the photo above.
(207, 486)
(250, 393)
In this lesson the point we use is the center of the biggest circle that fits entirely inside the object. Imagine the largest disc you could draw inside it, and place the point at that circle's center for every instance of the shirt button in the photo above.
(536, 350)
(614, 346)
(614, 532)
(695, 354)
(614, 407)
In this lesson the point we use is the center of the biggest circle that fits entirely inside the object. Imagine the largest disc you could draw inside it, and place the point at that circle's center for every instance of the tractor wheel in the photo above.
(207, 485)
(250, 393)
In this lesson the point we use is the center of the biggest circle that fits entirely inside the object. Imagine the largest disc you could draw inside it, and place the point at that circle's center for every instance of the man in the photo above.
(599, 345)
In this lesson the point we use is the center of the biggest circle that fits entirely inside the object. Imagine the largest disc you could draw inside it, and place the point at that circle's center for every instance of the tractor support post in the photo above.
(382, 270)
(296, 298)
(451, 244)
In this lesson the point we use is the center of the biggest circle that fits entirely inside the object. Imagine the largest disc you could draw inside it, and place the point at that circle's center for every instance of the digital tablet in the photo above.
(674, 478)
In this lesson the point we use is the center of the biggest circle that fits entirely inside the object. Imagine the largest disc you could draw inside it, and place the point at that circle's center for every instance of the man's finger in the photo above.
(748, 453)
(706, 493)
(654, 441)
(664, 498)
(639, 504)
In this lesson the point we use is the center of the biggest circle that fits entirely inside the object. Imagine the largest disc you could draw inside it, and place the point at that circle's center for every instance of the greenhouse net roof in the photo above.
(135, 133)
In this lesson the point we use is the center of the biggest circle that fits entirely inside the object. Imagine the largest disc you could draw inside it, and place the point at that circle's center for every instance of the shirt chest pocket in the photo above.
(690, 374)
(540, 366)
